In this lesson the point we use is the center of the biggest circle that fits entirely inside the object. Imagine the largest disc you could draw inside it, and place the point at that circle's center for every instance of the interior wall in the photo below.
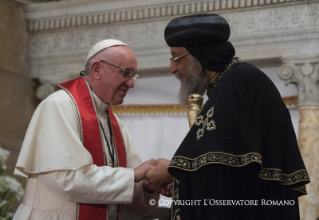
(18, 99)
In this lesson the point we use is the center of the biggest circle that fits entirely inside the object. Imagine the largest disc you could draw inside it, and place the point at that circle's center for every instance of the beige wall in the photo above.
(18, 99)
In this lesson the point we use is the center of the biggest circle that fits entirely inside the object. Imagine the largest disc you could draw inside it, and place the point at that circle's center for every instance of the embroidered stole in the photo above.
(92, 141)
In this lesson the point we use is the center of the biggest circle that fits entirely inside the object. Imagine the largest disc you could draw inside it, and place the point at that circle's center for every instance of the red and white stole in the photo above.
(92, 141)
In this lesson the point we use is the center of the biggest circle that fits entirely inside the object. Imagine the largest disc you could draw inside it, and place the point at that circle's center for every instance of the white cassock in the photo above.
(60, 172)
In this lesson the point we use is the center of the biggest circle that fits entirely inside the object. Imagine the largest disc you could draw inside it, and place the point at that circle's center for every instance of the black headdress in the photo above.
(205, 36)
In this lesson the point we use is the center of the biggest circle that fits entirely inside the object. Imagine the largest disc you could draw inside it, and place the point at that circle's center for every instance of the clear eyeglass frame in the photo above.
(125, 73)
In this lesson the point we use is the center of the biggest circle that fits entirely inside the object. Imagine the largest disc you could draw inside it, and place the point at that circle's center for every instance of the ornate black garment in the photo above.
(240, 160)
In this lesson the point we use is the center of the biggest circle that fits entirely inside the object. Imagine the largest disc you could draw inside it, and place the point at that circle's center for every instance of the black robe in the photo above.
(240, 160)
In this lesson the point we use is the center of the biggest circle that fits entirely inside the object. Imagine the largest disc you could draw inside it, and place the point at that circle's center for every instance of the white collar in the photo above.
(99, 104)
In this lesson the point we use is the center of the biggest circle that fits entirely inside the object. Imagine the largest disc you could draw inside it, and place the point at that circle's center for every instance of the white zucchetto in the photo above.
(102, 45)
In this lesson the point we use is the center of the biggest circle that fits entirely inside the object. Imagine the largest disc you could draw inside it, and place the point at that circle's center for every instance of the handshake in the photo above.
(155, 176)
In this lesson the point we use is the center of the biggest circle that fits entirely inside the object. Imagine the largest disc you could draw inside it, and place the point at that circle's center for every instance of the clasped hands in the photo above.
(155, 176)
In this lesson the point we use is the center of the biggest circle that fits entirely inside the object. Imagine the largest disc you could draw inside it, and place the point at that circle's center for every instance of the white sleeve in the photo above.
(92, 184)
(52, 141)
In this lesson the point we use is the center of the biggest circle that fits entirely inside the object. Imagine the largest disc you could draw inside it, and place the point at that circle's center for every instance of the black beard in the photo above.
(194, 81)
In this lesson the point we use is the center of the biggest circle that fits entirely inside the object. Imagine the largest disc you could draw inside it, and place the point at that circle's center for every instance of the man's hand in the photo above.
(168, 190)
(158, 174)
(141, 170)
(149, 187)
(165, 191)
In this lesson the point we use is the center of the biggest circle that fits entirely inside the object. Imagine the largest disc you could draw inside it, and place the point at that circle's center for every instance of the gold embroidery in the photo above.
(175, 197)
(286, 179)
(190, 164)
(176, 194)
(213, 84)
(193, 164)
(301, 189)
(176, 216)
(210, 125)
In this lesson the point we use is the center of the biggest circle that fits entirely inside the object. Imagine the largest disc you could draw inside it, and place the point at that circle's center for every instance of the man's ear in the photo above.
(95, 70)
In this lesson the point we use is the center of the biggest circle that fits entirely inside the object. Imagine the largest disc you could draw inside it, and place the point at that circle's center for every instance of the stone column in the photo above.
(44, 90)
(49, 82)
(304, 73)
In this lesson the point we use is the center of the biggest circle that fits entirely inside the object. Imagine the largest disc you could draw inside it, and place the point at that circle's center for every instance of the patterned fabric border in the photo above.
(193, 164)
(175, 211)
(301, 189)
(214, 157)
(286, 179)
(213, 84)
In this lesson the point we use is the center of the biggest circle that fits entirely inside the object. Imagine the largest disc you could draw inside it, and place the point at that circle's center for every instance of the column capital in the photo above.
(44, 90)
(303, 71)
(48, 82)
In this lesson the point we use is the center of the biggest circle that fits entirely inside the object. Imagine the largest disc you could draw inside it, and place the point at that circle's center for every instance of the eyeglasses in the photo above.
(125, 73)
(176, 58)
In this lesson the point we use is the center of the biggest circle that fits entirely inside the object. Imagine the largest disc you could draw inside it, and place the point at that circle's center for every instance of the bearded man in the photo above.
(240, 160)
(192, 81)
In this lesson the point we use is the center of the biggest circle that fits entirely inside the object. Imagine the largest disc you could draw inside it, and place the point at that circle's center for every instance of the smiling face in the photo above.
(105, 79)
(189, 71)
